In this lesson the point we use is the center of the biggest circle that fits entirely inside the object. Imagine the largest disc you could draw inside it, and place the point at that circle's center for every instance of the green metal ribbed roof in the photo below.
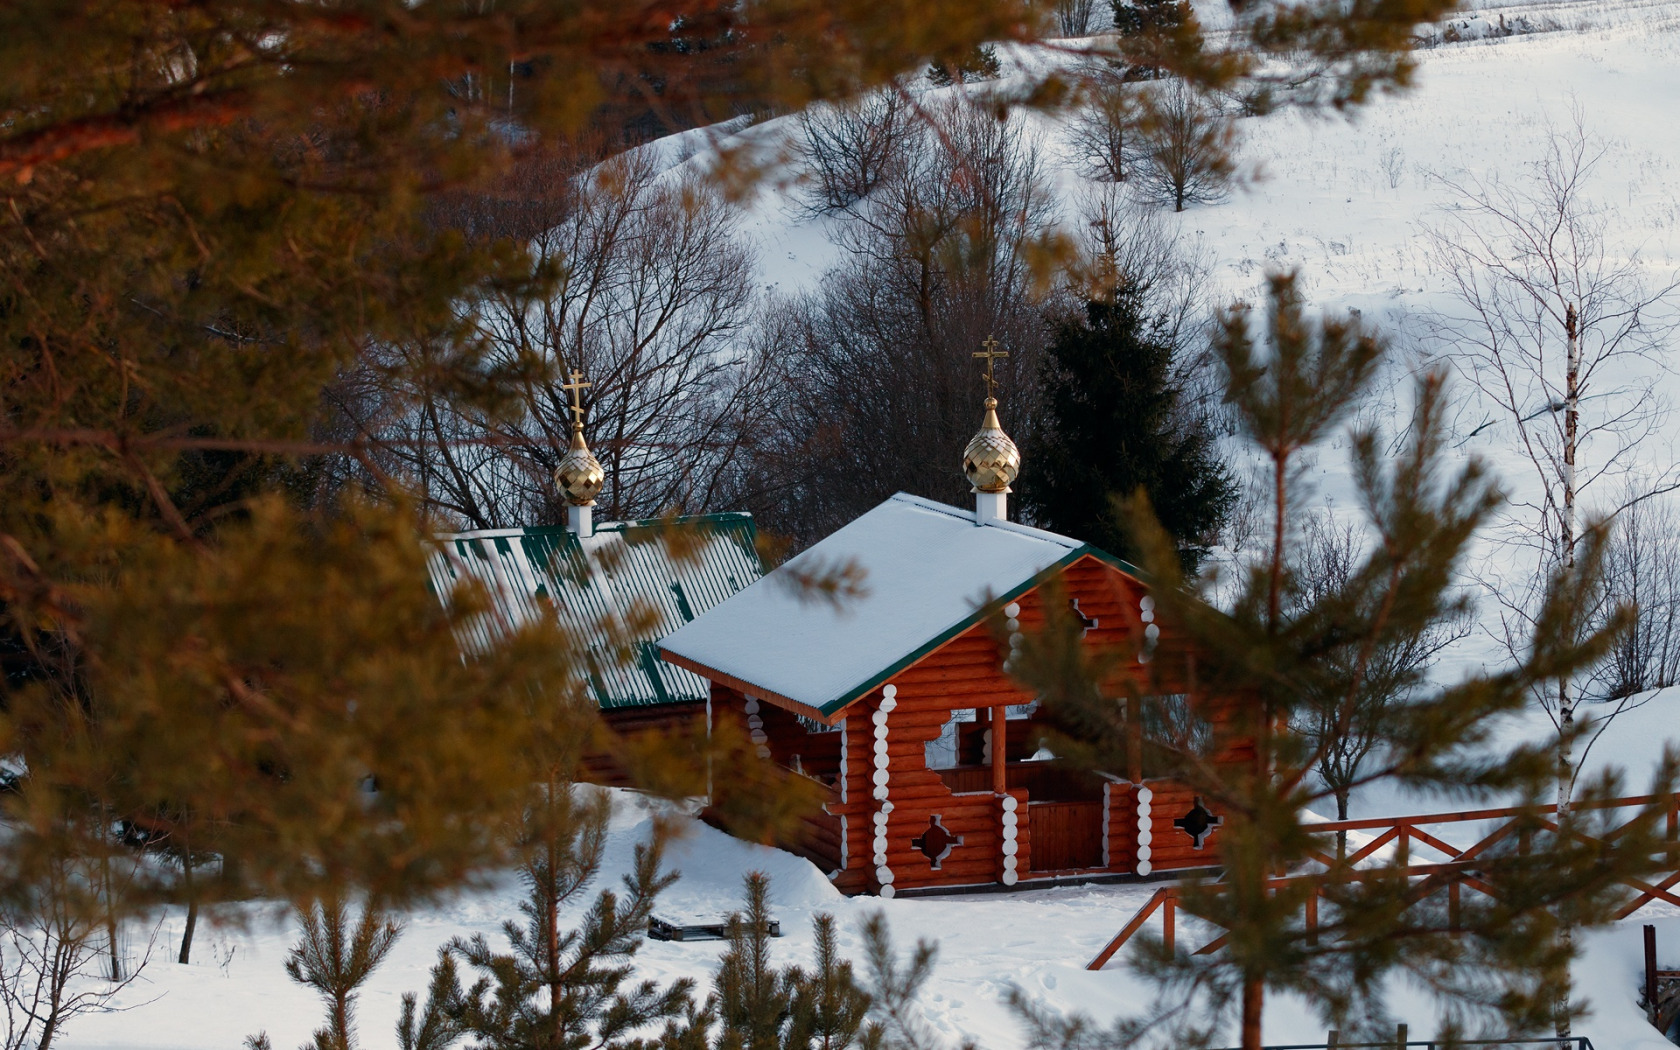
(599, 586)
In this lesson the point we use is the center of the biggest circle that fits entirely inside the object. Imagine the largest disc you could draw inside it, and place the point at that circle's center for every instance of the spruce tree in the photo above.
(1113, 425)
(1276, 657)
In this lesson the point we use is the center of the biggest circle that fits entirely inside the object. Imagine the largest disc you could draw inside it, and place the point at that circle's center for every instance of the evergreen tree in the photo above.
(979, 64)
(1135, 17)
(754, 1000)
(1113, 424)
(200, 637)
(436, 1025)
(1278, 657)
(554, 988)
(830, 1009)
(763, 1008)
(336, 960)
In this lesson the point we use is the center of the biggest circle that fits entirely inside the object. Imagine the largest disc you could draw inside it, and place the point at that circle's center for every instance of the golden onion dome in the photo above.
(991, 461)
(579, 476)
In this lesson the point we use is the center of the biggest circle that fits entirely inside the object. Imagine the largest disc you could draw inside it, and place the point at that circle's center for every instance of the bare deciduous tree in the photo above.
(1187, 143)
(1104, 132)
(1074, 17)
(1559, 331)
(879, 389)
(651, 285)
(850, 147)
(1642, 570)
(1345, 731)
(52, 961)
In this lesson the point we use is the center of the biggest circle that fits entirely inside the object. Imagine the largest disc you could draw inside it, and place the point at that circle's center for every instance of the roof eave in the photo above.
(745, 687)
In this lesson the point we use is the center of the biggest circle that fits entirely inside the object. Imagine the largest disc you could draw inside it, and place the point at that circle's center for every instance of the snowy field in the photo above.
(1321, 198)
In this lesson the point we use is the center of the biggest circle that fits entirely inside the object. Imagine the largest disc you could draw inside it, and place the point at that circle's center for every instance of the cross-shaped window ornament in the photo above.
(1086, 623)
(576, 388)
(991, 354)
(1198, 823)
(936, 843)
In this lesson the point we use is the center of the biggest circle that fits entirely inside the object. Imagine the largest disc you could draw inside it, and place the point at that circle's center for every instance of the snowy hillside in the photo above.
(1346, 201)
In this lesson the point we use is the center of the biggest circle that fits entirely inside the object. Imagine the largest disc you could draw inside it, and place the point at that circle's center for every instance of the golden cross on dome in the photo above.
(576, 387)
(991, 354)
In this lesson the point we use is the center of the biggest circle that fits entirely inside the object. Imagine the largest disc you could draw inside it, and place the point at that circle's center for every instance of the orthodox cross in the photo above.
(576, 388)
(991, 354)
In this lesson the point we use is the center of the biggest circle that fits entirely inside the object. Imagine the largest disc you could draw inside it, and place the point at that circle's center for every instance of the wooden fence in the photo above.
(1454, 871)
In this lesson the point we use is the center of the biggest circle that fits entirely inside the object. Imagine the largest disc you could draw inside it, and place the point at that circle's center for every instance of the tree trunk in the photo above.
(192, 908)
(1571, 432)
(341, 1021)
(1253, 1001)
(1566, 699)
(1342, 800)
(110, 919)
(187, 934)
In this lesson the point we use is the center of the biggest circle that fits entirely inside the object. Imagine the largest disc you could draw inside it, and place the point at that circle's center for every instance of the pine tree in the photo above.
(202, 636)
(335, 959)
(436, 1025)
(1133, 17)
(761, 1007)
(1113, 425)
(554, 988)
(1287, 654)
(830, 1009)
(754, 1000)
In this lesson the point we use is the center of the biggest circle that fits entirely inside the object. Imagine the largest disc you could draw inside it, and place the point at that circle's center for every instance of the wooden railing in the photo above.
(1551, 1042)
(1451, 874)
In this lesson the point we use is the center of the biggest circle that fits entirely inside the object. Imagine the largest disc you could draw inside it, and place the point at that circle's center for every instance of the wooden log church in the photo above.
(933, 758)
(898, 702)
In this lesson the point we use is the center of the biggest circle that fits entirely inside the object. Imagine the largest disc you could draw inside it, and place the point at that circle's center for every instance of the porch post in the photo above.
(1000, 748)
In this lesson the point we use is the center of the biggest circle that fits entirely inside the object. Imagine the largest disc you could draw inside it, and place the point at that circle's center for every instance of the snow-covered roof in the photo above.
(599, 586)
(928, 572)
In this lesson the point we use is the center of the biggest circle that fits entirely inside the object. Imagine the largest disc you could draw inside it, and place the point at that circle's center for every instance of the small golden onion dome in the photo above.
(991, 461)
(579, 476)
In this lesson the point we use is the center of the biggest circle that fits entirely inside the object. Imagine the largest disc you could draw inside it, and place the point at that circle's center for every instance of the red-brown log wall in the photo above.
(604, 768)
(966, 672)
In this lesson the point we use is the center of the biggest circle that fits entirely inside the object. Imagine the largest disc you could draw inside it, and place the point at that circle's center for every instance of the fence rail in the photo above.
(1452, 874)
(1573, 1042)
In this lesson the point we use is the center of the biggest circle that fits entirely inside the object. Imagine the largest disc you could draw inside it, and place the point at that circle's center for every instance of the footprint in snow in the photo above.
(1049, 981)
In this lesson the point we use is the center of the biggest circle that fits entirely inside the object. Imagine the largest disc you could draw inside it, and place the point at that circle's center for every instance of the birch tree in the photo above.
(1560, 331)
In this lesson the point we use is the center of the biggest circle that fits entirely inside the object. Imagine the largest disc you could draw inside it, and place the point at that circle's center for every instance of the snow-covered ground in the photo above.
(1321, 199)
(1038, 941)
